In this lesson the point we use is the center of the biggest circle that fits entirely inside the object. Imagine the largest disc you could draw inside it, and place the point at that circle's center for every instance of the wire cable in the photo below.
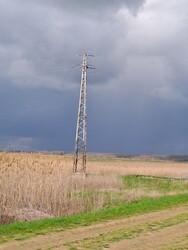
(39, 72)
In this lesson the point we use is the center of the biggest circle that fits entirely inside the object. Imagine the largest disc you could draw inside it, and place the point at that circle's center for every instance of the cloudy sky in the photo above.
(137, 96)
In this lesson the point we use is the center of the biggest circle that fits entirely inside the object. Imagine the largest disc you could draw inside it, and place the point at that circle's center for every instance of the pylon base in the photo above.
(79, 175)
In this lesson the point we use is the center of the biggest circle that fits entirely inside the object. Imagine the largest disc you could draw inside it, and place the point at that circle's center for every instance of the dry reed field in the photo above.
(159, 169)
(34, 185)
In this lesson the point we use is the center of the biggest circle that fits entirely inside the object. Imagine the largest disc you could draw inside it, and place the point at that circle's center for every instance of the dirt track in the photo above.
(168, 238)
(160, 239)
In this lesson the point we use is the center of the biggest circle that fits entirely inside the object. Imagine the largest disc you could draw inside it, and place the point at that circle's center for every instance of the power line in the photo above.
(43, 60)
(39, 72)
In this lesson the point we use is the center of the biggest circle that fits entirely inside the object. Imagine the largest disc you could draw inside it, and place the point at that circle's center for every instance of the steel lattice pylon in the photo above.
(79, 165)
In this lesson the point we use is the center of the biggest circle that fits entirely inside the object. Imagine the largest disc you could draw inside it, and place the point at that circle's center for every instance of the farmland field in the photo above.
(152, 193)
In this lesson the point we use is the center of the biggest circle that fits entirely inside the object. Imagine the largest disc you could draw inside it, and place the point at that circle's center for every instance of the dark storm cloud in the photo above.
(138, 95)
(103, 6)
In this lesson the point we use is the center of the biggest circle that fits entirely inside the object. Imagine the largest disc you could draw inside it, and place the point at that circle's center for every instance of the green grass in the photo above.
(141, 186)
(162, 185)
(146, 205)
(101, 241)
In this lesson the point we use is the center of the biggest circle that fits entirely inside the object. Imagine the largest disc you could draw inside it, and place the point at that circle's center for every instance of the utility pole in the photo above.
(79, 165)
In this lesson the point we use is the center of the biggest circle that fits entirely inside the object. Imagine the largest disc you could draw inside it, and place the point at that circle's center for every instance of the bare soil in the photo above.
(164, 238)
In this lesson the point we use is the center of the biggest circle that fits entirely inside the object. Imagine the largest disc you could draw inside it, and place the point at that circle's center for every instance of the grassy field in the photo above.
(34, 186)
(118, 166)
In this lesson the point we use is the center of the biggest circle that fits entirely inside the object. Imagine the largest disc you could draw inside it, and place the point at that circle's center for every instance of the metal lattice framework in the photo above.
(79, 165)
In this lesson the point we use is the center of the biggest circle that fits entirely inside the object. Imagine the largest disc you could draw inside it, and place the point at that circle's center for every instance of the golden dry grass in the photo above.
(34, 185)
(160, 169)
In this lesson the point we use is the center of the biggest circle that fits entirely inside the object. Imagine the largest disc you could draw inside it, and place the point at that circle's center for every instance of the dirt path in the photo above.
(166, 238)
(151, 240)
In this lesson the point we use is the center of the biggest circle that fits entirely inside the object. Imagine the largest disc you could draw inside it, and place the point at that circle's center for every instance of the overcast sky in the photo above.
(137, 96)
